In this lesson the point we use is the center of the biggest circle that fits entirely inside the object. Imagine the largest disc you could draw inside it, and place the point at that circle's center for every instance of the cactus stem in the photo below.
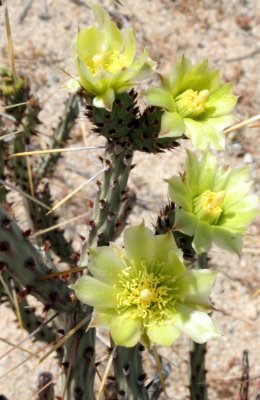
(198, 380)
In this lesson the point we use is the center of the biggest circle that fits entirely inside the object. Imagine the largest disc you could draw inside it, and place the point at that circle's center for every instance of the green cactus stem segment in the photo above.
(79, 357)
(46, 386)
(124, 120)
(207, 206)
(60, 136)
(3, 190)
(197, 366)
(28, 266)
(191, 103)
(118, 159)
(129, 373)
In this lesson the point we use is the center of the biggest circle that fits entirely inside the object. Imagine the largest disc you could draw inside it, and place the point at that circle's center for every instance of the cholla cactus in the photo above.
(105, 60)
(145, 292)
(214, 203)
(195, 103)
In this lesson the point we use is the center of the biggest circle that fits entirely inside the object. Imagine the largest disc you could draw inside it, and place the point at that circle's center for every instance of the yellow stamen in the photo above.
(147, 294)
(192, 103)
(207, 206)
(111, 61)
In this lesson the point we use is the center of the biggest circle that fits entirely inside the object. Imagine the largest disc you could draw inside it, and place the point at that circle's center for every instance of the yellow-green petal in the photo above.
(113, 36)
(185, 222)
(125, 331)
(164, 335)
(139, 242)
(89, 42)
(163, 244)
(192, 166)
(227, 240)
(207, 172)
(172, 125)
(203, 237)
(196, 324)
(195, 287)
(132, 72)
(174, 266)
(95, 293)
(105, 264)
(105, 100)
(179, 193)
(130, 45)
(161, 98)
(221, 101)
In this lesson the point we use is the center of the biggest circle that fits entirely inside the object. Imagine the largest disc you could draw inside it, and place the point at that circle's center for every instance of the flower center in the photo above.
(207, 206)
(111, 61)
(191, 103)
(148, 295)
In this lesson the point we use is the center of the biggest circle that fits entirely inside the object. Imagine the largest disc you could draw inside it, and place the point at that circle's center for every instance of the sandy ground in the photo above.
(227, 34)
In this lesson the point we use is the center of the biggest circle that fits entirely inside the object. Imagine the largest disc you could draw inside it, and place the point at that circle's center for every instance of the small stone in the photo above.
(251, 311)
(248, 158)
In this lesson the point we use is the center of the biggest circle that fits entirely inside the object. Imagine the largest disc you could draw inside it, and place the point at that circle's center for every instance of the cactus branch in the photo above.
(46, 386)
(27, 265)
(197, 370)
(60, 136)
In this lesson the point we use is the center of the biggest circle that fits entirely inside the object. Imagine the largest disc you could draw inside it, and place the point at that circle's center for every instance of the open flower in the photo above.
(144, 292)
(196, 104)
(105, 60)
(214, 203)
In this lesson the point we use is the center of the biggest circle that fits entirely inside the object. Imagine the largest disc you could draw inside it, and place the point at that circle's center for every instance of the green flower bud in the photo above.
(214, 203)
(144, 292)
(196, 104)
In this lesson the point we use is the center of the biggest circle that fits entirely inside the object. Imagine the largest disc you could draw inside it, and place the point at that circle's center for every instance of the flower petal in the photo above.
(139, 243)
(101, 319)
(177, 75)
(238, 220)
(105, 100)
(105, 264)
(95, 293)
(221, 101)
(112, 34)
(125, 331)
(89, 42)
(163, 244)
(179, 193)
(196, 287)
(163, 335)
(130, 45)
(207, 172)
(172, 125)
(203, 135)
(174, 266)
(185, 222)
(161, 98)
(192, 167)
(203, 237)
(227, 240)
(133, 71)
(86, 78)
(198, 325)
(220, 123)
